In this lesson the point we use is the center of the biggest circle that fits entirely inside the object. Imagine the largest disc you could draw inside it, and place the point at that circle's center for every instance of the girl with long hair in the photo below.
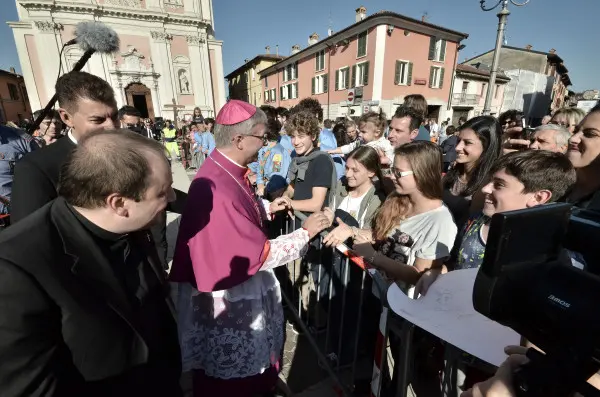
(358, 196)
(197, 116)
(478, 146)
(413, 230)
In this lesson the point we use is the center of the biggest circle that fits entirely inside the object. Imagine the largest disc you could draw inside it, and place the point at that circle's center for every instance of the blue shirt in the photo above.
(14, 144)
(198, 140)
(327, 141)
(423, 135)
(286, 142)
(208, 142)
(274, 162)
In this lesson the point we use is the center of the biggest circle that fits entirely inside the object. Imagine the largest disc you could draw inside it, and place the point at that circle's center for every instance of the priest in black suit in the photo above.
(85, 307)
(86, 104)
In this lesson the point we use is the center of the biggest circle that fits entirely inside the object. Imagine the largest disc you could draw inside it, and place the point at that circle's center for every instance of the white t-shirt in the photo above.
(429, 235)
(351, 205)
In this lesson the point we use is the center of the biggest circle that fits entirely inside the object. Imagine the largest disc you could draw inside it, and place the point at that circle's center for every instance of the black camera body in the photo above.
(528, 282)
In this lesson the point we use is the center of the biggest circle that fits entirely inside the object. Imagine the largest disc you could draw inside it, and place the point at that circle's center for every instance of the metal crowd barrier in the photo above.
(328, 295)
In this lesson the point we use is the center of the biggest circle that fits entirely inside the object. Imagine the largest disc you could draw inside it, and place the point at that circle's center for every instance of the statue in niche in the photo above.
(184, 82)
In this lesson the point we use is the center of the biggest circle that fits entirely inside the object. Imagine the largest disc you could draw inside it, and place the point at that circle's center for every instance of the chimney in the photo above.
(329, 32)
(277, 50)
(552, 51)
(361, 13)
(295, 49)
(246, 60)
(313, 39)
(267, 50)
(424, 17)
(528, 47)
(12, 70)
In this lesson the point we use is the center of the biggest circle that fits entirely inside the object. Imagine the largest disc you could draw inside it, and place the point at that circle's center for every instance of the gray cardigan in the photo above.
(368, 206)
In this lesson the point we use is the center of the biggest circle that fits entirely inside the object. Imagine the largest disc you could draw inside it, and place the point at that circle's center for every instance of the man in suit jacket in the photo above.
(85, 308)
(87, 104)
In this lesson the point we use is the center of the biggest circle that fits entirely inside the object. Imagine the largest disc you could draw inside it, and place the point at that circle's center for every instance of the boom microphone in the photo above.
(91, 37)
(95, 36)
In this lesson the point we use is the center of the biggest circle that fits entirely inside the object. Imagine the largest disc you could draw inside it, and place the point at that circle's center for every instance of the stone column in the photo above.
(155, 98)
(200, 67)
(19, 32)
(218, 80)
(48, 55)
(158, 48)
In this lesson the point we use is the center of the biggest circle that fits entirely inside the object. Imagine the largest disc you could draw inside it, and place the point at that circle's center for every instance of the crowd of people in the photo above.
(87, 308)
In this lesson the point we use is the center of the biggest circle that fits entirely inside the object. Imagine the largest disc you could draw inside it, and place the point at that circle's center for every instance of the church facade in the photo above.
(168, 63)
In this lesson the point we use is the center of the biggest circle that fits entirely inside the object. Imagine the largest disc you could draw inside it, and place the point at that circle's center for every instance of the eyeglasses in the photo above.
(264, 138)
(401, 174)
(566, 125)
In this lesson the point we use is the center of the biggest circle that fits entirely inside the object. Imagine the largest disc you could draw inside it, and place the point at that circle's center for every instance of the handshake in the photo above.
(314, 224)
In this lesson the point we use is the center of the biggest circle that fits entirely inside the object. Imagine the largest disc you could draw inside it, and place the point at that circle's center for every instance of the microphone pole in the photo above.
(78, 66)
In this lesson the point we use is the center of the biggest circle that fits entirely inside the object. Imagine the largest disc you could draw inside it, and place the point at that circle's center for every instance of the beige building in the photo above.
(244, 82)
(168, 54)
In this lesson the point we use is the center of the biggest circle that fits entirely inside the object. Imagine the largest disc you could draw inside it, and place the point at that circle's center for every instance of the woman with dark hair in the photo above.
(413, 230)
(339, 131)
(197, 116)
(478, 146)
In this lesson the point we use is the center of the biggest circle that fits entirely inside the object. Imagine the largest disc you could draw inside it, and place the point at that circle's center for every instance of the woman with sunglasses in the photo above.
(477, 149)
(568, 118)
(413, 230)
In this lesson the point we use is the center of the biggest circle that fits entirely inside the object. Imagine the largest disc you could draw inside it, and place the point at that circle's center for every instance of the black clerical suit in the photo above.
(83, 312)
(35, 183)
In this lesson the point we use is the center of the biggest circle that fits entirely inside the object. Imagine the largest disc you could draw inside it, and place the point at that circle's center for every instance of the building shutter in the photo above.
(441, 78)
(281, 92)
(443, 51)
(409, 74)
(431, 48)
(337, 80)
(397, 73)
(353, 77)
(325, 82)
(313, 86)
(431, 71)
(266, 82)
(295, 90)
(366, 73)
(317, 62)
(289, 91)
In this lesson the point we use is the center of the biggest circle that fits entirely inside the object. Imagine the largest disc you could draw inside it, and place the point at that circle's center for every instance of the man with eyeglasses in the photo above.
(223, 266)
(50, 129)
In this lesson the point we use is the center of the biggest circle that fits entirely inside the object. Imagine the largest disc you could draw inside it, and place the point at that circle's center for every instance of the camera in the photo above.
(528, 282)
(527, 132)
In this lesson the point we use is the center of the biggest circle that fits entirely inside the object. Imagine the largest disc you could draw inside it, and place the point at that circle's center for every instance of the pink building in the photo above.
(379, 60)
(168, 52)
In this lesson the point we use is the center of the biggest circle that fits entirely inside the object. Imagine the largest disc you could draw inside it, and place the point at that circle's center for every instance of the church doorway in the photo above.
(140, 97)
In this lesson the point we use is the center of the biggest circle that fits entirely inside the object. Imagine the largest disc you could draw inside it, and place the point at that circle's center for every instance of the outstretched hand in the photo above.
(316, 223)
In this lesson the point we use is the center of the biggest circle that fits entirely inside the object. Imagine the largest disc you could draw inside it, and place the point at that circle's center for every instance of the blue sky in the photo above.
(246, 27)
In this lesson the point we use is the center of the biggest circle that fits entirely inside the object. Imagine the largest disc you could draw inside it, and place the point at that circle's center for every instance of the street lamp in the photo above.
(502, 16)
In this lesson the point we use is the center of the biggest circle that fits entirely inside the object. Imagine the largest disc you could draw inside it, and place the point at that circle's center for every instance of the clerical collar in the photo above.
(96, 230)
(71, 137)
(231, 166)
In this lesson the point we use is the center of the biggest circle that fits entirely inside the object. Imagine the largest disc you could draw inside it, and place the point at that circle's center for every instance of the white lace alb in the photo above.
(238, 332)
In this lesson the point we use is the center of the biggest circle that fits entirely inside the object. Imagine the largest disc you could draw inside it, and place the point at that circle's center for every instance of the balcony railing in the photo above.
(465, 99)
